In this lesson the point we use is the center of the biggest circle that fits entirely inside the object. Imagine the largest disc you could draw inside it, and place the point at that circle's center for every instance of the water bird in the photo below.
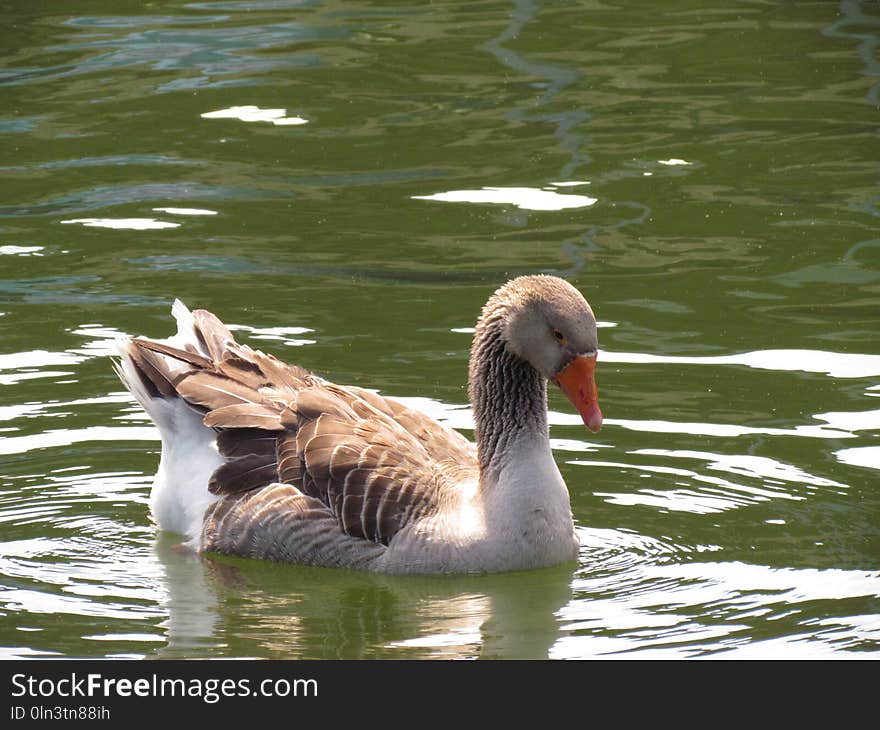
(262, 459)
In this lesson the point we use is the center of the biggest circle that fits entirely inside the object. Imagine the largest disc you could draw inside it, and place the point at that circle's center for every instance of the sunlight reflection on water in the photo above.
(249, 113)
(130, 224)
(525, 198)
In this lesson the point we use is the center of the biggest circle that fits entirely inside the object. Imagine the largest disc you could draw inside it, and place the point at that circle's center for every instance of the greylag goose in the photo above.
(262, 459)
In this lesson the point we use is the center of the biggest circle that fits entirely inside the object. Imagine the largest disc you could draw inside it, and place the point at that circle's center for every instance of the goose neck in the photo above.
(509, 400)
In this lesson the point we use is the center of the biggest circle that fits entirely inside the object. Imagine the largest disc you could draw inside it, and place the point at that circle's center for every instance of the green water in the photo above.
(725, 231)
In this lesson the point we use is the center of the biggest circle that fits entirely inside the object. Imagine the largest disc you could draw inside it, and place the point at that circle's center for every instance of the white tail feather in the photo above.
(180, 496)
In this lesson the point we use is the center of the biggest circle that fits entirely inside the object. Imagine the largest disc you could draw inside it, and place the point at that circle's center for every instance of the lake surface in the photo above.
(346, 183)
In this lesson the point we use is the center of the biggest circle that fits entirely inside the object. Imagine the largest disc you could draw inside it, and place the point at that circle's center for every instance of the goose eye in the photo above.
(559, 336)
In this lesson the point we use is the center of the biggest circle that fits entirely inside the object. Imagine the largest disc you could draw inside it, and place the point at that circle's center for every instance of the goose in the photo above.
(262, 459)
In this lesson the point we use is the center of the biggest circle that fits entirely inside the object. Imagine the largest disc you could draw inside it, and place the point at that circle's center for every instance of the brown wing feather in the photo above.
(281, 523)
(434, 436)
(373, 464)
(150, 369)
(243, 441)
(193, 358)
(212, 333)
(373, 475)
(244, 415)
(242, 474)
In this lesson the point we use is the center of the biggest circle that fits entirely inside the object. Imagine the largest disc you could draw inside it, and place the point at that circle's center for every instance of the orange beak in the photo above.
(579, 385)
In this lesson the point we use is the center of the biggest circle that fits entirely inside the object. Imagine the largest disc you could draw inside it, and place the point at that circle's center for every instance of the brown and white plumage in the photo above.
(267, 460)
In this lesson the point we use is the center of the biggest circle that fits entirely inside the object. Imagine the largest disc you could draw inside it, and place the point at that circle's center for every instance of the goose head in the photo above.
(546, 322)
